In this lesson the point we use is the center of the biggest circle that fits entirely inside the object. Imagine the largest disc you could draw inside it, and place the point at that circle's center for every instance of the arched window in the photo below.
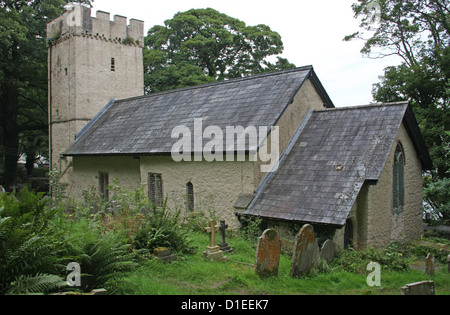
(190, 197)
(399, 180)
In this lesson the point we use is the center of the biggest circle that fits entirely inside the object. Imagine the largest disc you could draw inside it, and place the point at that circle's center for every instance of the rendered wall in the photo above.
(378, 225)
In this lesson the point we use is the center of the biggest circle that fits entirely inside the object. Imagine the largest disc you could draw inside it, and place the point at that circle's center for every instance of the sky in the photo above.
(312, 33)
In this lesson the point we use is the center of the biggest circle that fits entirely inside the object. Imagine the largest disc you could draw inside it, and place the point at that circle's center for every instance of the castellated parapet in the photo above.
(77, 21)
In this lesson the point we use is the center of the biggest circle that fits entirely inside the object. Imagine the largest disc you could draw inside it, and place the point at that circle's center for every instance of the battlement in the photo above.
(77, 21)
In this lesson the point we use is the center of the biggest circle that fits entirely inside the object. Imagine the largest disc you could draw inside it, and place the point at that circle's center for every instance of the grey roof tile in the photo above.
(335, 153)
(143, 125)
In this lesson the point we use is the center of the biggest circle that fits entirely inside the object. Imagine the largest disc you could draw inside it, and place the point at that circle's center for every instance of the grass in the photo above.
(192, 275)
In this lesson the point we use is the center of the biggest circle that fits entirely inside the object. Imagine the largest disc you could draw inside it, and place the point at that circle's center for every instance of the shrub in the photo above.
(29, 244)
(161, 229)
(102, 256)
(357, 260)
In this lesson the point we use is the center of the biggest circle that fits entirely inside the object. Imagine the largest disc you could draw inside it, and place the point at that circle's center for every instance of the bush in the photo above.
(357, 260)
(437, 194)
(161, 229)
(103, 256)
(29, 244)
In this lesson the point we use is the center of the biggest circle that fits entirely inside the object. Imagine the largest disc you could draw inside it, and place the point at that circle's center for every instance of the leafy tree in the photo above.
(204, 45)
(418, 31)
(23, 76)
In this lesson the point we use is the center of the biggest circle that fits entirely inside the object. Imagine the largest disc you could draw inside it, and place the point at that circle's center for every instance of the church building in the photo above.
(271, 146)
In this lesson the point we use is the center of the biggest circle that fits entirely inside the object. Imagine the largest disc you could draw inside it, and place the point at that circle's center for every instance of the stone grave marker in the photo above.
(306, 252)
(213, 251)
(419, 288)
(223, 244)
(429, 265)
(448, 263)
(164, 254)
(328, 251)
(268, 254)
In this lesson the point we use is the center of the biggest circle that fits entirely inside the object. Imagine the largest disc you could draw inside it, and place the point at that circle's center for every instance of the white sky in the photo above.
(312, 33)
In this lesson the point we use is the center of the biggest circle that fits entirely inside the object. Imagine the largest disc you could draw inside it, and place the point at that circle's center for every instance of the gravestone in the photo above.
(212, 251)
(223, 244)
(164, 254)
(429, 265)
(448, 262)
(268, 254)
(328, 251)
(419, 288)
(306, 252)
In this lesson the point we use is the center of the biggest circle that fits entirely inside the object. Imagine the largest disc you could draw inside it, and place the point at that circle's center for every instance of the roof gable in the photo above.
(143, 125)
(328, 161)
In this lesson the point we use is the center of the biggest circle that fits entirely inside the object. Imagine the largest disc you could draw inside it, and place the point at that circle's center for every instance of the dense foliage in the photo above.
(418, 31)
(203, 45)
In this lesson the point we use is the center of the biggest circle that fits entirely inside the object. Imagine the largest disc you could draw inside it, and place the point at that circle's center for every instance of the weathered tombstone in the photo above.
(429, 265)
(213, 251)
(268, 253)
(419, 288)
(164, 254)
(306, 252)
(328, 251)
(223, 244)
(448, 262)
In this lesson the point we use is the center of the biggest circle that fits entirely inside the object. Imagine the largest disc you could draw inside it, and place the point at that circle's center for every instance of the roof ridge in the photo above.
(206, 85)
(373, 105)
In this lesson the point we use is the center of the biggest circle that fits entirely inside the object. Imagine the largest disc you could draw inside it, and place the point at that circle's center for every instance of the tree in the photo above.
(23, 76)
(204, 45)
(418, 31)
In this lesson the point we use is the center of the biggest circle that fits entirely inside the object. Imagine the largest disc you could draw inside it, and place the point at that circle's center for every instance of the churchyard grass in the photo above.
(192, 275)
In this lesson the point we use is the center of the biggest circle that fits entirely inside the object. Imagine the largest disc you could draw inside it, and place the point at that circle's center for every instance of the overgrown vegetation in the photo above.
(112, 240)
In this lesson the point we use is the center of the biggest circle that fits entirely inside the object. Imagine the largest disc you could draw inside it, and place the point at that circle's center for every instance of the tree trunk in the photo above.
(10, 134)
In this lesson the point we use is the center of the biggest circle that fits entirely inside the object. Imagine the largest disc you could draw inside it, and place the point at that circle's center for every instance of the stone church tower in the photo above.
(92, 61)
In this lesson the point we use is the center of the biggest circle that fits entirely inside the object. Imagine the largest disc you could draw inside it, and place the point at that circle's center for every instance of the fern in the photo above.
(41, 283)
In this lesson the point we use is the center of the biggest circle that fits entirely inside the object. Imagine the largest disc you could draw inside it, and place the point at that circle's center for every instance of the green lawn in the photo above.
(192, 275)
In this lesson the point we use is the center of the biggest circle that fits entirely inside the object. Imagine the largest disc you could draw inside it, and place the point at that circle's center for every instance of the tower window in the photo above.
(113, 64)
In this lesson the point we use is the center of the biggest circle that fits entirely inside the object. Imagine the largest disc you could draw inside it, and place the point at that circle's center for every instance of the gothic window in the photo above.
(399, 180)
(155, 189)
(113, 64)
(103, 182)
(190, 197)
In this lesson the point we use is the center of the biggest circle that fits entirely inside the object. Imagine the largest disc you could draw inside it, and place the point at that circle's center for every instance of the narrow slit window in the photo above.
(399, 180)
(190, 197)
(155, 189)
(113, 64)
(103, 182)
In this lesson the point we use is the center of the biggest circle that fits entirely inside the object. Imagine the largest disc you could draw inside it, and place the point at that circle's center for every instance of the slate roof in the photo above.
(143, 125)
(328, 160)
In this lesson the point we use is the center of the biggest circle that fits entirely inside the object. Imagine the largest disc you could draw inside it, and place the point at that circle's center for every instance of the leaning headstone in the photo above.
(328, 251)
(306, 252)
(268, 254)
(429, 265)
(212, 251)
(223, 244)
(419, 288)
